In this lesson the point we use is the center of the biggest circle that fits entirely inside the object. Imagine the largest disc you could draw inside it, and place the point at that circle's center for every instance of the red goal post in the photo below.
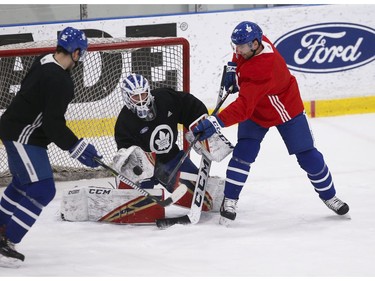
(165, 62)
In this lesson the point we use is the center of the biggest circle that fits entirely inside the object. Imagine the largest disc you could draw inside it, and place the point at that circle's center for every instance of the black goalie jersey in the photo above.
(160, 134)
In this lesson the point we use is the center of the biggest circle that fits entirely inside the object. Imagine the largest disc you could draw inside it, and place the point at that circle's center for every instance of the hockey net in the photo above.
(98, 100)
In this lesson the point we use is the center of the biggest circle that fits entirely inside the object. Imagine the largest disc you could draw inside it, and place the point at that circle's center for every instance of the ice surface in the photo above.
(282, 227)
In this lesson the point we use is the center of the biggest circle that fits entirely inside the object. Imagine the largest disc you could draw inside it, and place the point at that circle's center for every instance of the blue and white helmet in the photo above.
(72, 39)
(138, 97)
(246, 32)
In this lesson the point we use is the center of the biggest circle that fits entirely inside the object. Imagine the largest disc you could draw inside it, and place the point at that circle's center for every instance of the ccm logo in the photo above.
(99, 191)
(327, 47)
(203, 176)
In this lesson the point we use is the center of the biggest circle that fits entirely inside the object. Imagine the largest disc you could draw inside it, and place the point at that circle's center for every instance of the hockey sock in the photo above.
(244, 154)
(37, 196)
(9, 200)
(318, 173)
(237, 173)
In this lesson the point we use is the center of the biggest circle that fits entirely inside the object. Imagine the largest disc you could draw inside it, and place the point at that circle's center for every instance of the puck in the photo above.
(137, 170)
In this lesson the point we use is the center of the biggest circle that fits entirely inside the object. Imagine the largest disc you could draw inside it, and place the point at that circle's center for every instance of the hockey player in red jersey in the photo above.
(268, 96)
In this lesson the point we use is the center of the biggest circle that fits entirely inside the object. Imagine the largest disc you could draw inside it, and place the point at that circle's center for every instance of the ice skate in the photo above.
(336, 205)
(9, 257)
(228, 211)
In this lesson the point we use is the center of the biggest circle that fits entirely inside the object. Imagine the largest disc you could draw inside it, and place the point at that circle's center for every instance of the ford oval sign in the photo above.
(327, 47)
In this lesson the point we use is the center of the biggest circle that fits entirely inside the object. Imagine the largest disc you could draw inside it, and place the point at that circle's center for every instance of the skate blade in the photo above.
(9, 262)
(225, 222)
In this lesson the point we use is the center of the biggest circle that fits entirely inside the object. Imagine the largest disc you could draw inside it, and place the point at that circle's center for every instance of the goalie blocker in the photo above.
(215, 148)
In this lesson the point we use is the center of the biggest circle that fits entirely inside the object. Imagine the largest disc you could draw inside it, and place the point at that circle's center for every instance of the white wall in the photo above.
(38, 13)
(209, 37)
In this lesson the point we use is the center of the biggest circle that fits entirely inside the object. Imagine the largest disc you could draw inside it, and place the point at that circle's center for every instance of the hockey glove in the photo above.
(230, 81)
(85, 152)
(133, 164)
(207, 127)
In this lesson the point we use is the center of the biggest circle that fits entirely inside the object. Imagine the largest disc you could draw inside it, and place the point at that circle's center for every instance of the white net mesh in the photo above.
(98, 101)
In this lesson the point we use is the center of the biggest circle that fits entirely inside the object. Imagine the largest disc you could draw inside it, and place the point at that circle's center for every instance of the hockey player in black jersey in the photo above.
(34, 119)
(149, 123)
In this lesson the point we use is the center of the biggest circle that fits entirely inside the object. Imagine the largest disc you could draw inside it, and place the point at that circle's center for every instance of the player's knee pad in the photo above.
(311, 161)
(42, 191)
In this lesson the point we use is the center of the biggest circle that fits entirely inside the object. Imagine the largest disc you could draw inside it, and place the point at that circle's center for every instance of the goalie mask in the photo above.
(137, 96)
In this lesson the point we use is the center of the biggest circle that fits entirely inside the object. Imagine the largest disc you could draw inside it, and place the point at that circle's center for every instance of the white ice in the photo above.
(282, 227)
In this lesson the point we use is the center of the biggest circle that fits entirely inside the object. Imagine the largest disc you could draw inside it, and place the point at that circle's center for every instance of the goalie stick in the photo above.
(175, 196)
(200, 186)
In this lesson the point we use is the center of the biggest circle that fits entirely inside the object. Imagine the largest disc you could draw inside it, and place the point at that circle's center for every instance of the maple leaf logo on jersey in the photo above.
(164, 140)
(161, 140)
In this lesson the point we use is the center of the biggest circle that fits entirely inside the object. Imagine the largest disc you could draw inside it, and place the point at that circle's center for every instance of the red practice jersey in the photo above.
(268, 93)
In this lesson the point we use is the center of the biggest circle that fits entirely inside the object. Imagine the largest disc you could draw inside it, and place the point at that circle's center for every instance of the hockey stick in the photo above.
(198, 199)
(175, 196)
(221, 100)
(200, 186)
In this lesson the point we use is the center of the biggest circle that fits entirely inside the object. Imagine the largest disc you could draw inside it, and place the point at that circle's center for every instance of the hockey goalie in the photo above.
(150, 121)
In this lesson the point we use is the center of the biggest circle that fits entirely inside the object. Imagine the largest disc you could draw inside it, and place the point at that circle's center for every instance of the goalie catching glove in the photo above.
(133, 164)
(216, 147)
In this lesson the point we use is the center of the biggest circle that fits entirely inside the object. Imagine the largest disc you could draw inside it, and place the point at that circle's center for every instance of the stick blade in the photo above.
(168, 222)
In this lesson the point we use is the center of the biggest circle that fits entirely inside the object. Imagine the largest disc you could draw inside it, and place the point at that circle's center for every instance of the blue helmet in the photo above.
(132, 89)
(246, 32)
(72, 39)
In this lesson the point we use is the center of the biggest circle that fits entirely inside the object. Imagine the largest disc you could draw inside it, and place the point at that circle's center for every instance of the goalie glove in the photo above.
(215, 148)
(133, 164)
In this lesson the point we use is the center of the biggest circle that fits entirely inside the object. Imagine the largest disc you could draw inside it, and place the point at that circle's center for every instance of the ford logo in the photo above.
(327, 47)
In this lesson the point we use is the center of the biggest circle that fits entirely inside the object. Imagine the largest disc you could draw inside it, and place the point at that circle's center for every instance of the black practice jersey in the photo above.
(36, 114)
(159, 135)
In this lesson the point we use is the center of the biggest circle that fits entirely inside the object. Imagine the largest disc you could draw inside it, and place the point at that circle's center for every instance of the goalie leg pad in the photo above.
(214, 192)
(110, 205)
(215, 187)
(186, 200)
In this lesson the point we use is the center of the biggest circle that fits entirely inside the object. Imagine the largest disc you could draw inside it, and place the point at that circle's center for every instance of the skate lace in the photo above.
(334, 203)
(230, 205)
